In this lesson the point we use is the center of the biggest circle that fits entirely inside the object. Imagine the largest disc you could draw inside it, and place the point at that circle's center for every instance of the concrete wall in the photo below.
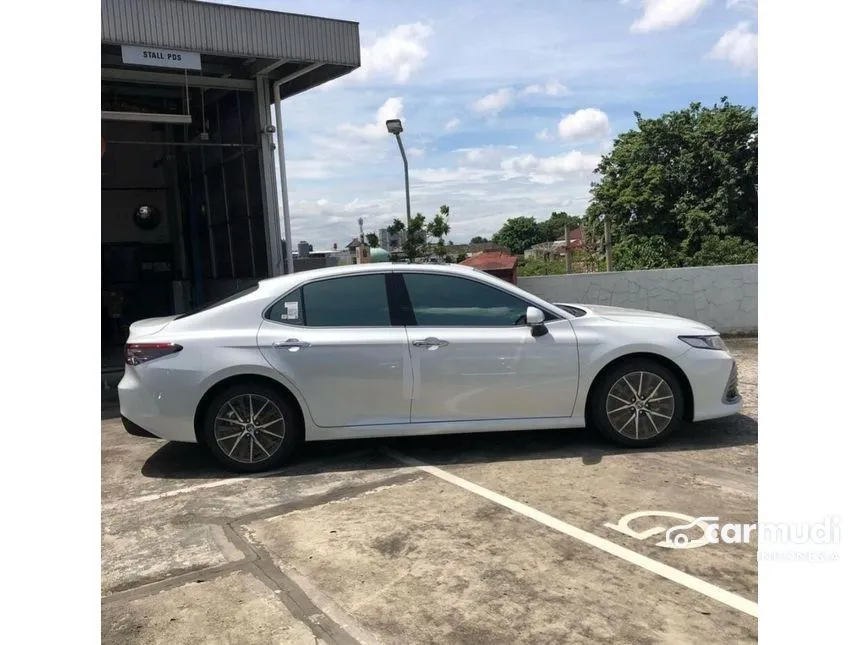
(724, 297)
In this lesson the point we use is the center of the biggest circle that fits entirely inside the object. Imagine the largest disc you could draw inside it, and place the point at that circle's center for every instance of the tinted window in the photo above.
(447, 301)
(355, 301)
(223, 301)
(288, 309)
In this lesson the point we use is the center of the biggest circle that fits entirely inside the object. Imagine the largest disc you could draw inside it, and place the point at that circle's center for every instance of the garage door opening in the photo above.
(183, 220)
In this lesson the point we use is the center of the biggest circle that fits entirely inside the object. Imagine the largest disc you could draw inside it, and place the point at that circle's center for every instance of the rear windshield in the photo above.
(217, 303)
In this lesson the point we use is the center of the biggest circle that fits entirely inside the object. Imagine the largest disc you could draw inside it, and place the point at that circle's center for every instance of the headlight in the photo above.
(704, 342)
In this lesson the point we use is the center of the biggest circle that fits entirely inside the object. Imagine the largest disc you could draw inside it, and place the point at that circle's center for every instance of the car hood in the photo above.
(641, 317)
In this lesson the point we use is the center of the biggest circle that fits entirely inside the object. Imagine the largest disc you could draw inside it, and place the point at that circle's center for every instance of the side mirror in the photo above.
(534, 316)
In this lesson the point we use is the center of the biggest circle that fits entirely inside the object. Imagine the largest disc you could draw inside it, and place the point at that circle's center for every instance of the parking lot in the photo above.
(490, 538)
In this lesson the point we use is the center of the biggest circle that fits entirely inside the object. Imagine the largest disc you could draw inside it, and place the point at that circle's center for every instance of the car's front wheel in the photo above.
(639, 403)
(251, 428)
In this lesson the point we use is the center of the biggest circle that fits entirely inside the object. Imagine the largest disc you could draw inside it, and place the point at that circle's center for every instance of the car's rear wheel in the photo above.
(638, 403)
(251, 428)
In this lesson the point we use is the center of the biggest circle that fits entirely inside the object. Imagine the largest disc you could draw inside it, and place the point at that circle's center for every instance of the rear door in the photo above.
(473, 358)
(333, 338)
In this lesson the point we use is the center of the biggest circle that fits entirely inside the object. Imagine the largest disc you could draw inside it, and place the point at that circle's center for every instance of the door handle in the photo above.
(291, 342)
(430, 342)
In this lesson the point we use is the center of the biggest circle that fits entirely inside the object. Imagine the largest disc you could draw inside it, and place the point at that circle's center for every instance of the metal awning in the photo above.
(236, 44)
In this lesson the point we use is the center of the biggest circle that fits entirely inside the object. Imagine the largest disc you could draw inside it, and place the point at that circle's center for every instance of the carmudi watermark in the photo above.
(771, 538)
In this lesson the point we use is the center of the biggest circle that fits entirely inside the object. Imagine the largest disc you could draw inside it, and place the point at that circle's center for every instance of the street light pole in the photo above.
(395, 127)
(406, 179)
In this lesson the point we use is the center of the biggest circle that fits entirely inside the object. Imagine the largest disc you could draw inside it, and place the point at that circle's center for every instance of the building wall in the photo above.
(724, 297)
(132, 178)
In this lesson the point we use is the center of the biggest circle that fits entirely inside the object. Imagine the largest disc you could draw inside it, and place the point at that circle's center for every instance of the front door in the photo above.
(473, 357)
(334, 340)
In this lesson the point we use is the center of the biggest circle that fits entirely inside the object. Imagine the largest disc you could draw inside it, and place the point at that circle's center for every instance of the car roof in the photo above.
(350, 269)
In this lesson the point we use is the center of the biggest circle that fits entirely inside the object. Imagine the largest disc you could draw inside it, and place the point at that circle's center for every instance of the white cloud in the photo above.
(391, 109)
(461, 174)
(415, 152)
(743, 5)
(322, 202)
(552, 88)
(486, 156)
(544, 135)
(452, 125)
(396, 55)
(494, 103)
(308, 169)
(588, 123)
(548, 170)
(360, 205)
(665, 14)
(738, 46)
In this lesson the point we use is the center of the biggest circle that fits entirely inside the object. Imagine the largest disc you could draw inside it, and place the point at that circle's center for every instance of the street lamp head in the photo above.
(394, 126)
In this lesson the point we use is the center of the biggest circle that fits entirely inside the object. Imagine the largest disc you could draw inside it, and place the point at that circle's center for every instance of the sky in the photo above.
(507, 105)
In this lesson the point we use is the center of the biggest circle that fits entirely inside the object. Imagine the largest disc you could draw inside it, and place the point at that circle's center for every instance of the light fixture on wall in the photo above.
(147, 217)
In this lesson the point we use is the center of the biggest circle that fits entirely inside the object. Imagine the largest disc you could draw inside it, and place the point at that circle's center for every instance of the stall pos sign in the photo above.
(153, 57)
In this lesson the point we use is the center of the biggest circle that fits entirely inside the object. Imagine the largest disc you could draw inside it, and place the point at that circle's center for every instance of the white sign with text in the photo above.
(153, 57)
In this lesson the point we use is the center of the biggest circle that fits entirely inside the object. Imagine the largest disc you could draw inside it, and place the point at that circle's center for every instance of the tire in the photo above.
(251, 447)
(614, 407)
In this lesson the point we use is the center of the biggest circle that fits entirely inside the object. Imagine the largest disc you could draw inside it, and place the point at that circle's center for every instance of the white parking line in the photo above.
(670, 573)
(190, 489)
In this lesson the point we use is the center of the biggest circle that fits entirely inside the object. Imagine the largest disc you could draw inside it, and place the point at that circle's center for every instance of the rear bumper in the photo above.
(164, 408)
(134, 429)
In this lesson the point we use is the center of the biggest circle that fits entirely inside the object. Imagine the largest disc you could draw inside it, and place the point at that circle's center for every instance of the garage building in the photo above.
(190, 205)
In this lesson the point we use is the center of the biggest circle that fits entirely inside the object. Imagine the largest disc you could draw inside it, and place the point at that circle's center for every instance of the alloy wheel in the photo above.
(249, 428)
(640, 405)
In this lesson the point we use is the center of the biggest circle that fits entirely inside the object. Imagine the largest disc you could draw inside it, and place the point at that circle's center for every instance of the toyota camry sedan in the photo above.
(389, 350)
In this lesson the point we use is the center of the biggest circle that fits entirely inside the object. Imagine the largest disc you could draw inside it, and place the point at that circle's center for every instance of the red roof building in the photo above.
(497, 263)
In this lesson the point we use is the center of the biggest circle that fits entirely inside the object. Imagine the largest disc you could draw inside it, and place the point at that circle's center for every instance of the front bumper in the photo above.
(714, 382)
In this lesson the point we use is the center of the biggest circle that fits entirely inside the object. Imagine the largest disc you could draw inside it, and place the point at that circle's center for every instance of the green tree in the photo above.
(676, 186)
(727, 250)
(478, 240)
(518, 234)
(540, 265)
(641, 252)
(438, 227)
(552, 229)
(415, 239)
(372, 240)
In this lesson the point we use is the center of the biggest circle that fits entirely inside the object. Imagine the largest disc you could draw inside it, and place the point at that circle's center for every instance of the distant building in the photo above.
(470, 249)
(556, 248)
(305, 249)
(497, 263)
(388, 241)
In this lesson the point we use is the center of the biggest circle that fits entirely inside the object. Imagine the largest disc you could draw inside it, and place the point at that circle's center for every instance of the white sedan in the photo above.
(389, 350)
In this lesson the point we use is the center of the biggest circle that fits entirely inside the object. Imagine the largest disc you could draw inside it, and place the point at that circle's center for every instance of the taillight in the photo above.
(137, 353)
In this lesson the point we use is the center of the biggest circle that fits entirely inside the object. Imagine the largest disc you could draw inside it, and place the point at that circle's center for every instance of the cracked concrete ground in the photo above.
(349, 545)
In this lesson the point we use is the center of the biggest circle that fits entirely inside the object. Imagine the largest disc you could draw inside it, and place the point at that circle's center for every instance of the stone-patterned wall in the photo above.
(724, 297)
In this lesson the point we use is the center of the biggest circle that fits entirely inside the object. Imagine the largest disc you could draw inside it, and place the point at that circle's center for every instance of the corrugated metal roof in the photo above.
(228, 30)
(491, 260)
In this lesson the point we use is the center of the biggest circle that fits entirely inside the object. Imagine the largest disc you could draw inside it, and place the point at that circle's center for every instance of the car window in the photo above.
(353, 301)
(223, 301)
(449, 301)
(288, 309)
